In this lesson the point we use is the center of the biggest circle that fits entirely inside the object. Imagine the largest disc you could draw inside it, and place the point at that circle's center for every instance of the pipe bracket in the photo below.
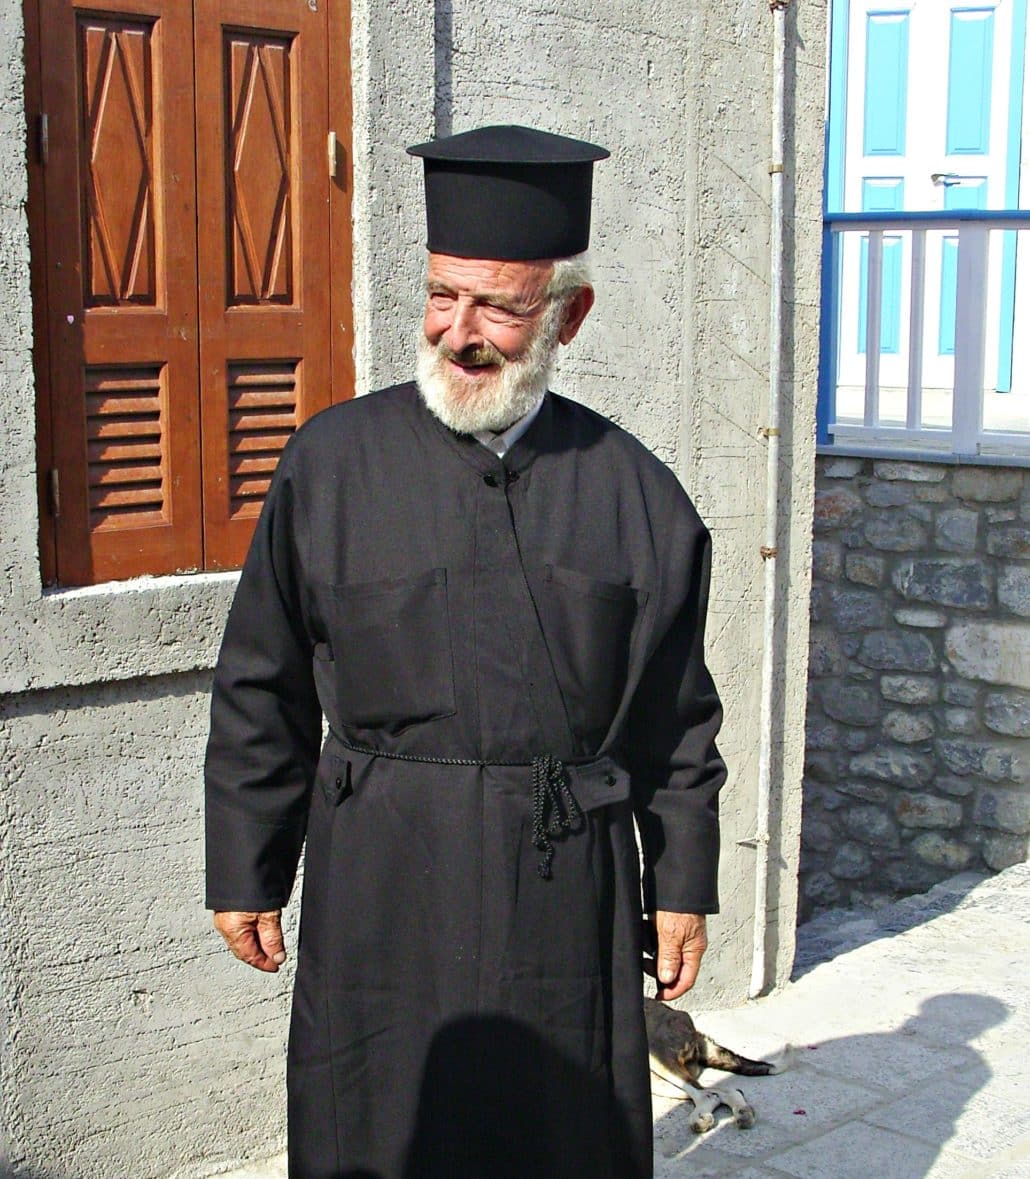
(768, 551)
(770, 431)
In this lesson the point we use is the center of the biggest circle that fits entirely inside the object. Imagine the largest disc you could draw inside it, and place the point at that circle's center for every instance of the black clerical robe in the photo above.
(467, 999)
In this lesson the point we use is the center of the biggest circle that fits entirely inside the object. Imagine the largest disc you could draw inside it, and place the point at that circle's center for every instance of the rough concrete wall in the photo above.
(677, 346)
(918, 761)
(135, 1045)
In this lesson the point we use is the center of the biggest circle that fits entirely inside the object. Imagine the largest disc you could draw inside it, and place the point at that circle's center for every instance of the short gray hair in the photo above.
(568, 276)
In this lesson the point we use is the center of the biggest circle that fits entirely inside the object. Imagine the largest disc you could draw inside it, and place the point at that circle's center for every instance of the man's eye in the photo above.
(440, 301)
(497, 313)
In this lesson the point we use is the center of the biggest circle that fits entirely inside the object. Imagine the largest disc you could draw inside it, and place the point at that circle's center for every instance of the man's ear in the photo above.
(577, 310)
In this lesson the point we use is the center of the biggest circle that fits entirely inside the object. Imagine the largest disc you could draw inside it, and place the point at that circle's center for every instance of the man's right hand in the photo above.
(255, 938)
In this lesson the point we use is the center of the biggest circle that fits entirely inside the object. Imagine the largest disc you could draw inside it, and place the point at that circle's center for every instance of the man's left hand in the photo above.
(682, 939)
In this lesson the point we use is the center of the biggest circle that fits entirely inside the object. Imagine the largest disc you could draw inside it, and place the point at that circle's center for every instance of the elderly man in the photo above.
(496, 598)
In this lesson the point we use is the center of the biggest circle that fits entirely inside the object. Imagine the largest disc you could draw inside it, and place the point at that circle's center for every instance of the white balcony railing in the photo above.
(926, 332)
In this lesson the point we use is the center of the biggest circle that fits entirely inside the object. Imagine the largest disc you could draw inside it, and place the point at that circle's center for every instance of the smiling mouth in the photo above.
(473, 369)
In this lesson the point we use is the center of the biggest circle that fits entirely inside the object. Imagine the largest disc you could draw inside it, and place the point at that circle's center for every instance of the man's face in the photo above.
(490, 336)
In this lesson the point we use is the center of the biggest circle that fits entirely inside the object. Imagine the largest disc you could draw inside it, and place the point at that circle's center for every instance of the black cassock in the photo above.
(467, 1006)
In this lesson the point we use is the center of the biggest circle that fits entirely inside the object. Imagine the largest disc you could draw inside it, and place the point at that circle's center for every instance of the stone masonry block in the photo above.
(1004, 810)
(908, 689)
(824, 653)
(956, 787)
(899, 766)
(955, 530)
(1008, 713)
(826, 560)
(821, 890)
(927, 810)
(865, 569)
(867, 791)
(895, 532)
(817, 834)
(907, 728)
(853, 704)
(824, 765)
(910, 472)
(1002, 851)
(961, 720)
(871, 825)
(888, 495)
(856, 609)
(837, 507)
(944, 581)
(932, 493)
(920, 616)
(839, 468)
(941, 852)
(984, 485)
(997, 652)
(897, 651)
(995, 763)
(1009, 540)
(821, 733)
(962, 694)
(1014, 589)
(852, 862)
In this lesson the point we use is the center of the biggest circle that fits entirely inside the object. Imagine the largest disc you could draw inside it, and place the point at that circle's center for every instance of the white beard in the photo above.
(495, 402)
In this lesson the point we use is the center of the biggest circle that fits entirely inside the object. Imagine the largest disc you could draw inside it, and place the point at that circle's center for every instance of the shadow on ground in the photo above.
(839, 931)
(885, 1103)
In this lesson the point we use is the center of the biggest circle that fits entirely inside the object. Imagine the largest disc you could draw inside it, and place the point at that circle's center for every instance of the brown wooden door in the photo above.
(121, 286)
(190, 233)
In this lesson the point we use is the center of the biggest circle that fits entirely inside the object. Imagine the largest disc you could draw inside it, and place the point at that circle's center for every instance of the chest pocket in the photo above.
(390, 644)
(589, 625)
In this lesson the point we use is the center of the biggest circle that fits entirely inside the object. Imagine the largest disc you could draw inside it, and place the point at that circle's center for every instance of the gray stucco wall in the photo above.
(918, 762)
(133, 1043)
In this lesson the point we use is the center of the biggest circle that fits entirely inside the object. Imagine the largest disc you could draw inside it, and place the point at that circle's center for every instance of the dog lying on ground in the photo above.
(679, 1052)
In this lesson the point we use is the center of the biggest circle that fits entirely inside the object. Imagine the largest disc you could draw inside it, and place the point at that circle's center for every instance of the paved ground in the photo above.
(911, 1029)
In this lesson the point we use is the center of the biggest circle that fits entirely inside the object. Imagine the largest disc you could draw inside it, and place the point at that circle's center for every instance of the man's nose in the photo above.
(464, 329)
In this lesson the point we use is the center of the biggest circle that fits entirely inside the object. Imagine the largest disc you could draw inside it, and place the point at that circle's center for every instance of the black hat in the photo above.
(510, 193)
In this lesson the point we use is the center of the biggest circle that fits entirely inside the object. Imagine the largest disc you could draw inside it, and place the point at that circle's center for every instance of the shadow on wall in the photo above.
(840, 1109)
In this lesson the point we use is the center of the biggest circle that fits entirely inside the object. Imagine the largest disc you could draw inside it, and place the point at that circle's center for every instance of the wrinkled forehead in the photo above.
(523, 281)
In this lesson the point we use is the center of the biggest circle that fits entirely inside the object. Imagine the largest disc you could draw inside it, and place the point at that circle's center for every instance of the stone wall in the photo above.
(917, 760)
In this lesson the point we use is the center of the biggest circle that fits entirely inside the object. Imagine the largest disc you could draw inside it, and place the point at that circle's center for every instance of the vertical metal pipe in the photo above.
(772, 432)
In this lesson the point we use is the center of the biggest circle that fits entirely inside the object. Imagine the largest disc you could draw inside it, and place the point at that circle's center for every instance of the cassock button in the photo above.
(610, 780)
(511, 476)
(490, 479)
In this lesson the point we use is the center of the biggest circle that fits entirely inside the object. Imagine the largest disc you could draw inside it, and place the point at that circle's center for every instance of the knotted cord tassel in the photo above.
(555, 810)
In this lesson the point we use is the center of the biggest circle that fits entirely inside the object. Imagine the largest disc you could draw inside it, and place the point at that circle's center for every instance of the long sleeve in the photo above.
(265, 720)
(676, 769)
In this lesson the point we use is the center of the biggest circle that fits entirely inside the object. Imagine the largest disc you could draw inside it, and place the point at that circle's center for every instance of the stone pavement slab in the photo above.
(911, 1035)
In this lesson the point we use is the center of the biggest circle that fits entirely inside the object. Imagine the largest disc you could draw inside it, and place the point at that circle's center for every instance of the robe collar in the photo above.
(537, 439)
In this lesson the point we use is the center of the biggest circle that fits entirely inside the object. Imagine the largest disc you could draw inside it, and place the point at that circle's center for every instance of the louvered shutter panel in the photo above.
(121, 286)
(264, 248)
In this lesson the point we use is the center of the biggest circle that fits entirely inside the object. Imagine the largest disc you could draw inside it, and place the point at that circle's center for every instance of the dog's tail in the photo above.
(714, 1055)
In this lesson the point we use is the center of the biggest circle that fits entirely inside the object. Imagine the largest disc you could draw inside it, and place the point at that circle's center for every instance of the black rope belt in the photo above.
(555, 809)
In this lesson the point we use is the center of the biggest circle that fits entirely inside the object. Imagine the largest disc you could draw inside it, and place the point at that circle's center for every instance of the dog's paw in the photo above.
(782, 1060)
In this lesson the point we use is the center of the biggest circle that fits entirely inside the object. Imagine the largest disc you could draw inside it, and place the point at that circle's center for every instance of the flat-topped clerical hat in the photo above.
(511, 193)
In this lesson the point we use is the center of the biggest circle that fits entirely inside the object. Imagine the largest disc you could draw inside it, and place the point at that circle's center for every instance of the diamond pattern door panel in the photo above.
(264, 247)
(259, 141)
(121, 286)
(118, 148)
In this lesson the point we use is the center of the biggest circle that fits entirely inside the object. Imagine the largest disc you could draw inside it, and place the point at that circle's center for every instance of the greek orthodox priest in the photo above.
(466, 652)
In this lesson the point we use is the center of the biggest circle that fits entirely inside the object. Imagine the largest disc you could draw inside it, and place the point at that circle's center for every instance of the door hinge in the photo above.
(54, 491)
(331, 152)
(44, 139)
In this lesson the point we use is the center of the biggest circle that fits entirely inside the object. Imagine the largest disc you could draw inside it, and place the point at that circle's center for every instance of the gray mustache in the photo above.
(473, 356)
